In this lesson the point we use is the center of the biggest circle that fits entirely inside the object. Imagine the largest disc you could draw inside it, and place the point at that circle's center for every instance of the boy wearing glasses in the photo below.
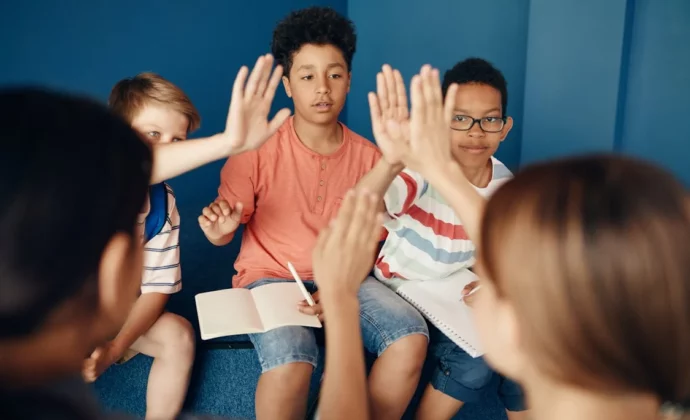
(426, 239)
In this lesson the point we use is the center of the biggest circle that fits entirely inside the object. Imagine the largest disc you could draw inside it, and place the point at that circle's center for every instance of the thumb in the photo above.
(278, 120)
(237, 211)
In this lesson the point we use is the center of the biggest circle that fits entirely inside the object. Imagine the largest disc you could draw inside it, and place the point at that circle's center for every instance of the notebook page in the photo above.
(227, 312)
(440, 302)
(277, 306)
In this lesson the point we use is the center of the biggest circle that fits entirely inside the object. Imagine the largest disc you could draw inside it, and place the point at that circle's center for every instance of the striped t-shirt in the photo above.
(162, 272)
(426, 239)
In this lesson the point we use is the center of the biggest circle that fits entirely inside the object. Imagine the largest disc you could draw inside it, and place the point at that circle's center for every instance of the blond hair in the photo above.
(129, 96)
(593, 255)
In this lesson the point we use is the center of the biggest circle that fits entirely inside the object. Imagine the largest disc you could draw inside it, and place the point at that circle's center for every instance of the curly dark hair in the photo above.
(313, 25)
(477, 70)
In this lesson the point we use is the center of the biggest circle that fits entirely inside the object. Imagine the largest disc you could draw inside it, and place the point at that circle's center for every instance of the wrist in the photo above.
(115, 349)
(338, 298)
(392, 168)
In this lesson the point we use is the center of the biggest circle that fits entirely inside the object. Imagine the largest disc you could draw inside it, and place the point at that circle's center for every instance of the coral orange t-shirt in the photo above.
(289, 193)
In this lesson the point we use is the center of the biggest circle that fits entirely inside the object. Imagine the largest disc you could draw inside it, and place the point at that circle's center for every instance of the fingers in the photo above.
(254, 77)
(449, 104)
(225, 208)
(427, 92)
(238, 86)
(273, 83)
(216, 212)
(321, 240)
(377, 124)
(435, 88)
(363, 220)
(469, 287)
(389, 80)
(418, 114)
(342, 221)
(382, 93)
(403, 111)
(264, 75)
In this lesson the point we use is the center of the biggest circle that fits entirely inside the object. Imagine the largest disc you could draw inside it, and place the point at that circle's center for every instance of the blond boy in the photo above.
(160, 113)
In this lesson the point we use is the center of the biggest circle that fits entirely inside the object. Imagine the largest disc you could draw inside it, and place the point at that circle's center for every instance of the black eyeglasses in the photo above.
(487, 124)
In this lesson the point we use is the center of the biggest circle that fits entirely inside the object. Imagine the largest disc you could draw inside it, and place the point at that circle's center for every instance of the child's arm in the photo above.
(145, 312)
(235, 203)
(342, 257)
(247, 126)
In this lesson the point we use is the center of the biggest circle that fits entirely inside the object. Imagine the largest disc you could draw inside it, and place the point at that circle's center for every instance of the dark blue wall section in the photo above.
(86, 47)
(409, 33)
(657, 109)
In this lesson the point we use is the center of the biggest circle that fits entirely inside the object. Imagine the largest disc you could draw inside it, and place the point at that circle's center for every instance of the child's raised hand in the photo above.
(428, 146)
(389, 103)
(247, 126)
(345, 250)
(219, 219)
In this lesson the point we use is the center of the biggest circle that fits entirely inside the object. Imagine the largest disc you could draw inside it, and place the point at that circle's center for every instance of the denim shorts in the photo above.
(467, 379)
(384, 319)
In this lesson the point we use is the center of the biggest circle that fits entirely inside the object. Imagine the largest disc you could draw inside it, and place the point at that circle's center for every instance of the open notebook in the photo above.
(440, 302)
(243, 311)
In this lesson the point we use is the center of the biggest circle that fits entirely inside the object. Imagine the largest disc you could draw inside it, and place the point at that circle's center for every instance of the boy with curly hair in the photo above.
(285, 192)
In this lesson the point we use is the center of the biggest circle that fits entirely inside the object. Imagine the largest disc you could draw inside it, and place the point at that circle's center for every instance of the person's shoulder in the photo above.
(500, 171)
(361, 142)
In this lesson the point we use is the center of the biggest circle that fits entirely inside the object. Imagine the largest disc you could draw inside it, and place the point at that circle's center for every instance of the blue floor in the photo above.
(224, 380)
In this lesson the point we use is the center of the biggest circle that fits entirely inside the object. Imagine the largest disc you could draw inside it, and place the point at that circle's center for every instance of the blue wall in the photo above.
(657, 107)
(607, 76)
(87, 46)
(409, 33)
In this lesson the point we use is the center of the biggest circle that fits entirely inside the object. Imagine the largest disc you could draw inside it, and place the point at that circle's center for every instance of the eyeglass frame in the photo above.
(479, 121)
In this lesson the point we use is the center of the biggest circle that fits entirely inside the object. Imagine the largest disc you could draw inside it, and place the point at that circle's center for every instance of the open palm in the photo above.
(247, 126)
(423, 143)
(389, 103)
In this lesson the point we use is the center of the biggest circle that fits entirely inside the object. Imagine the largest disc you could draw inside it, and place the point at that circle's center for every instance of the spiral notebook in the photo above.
(440, 302)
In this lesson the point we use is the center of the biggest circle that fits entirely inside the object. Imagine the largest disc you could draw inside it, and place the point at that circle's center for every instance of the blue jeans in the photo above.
(466, 379)
(384, 318)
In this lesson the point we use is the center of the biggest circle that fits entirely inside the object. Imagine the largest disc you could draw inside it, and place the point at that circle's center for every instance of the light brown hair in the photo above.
(130, 95)
(592, 252)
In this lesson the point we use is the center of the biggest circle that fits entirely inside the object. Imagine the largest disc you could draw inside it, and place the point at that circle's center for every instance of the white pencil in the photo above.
(298, 280)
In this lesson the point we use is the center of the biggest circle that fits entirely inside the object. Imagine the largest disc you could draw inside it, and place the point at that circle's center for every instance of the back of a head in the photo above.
(480, 71)
(129, 96)
(71, 176)
(600, 243)
(313, 25)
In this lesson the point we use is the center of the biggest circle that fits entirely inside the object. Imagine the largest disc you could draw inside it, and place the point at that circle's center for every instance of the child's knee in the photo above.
(178, 337)
(409, 352)
(290, 376)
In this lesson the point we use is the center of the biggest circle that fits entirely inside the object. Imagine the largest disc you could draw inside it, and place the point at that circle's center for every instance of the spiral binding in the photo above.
(438, 323)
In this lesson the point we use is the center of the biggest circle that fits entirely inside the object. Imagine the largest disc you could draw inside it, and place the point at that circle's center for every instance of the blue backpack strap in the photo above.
(155, 220)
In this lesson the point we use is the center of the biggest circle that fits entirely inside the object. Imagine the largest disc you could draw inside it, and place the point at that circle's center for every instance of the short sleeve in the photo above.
(403, 192)
(238, 180)
(162, 272)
